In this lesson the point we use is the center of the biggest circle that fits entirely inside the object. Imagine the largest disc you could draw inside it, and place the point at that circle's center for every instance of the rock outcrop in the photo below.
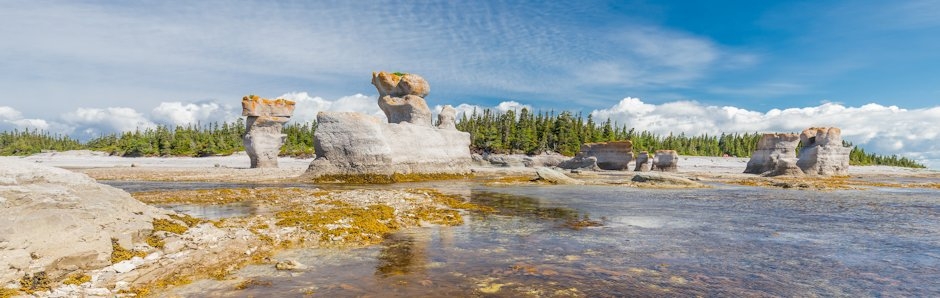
(643, 162)
(823, 152)
(555, 177)
(56, 221)
(614, 156)
(401, 97)
(263, 137)
(775, 155)
(447, 119)
(661, 179)
(548, 159)
(352, 144)
(665, 161)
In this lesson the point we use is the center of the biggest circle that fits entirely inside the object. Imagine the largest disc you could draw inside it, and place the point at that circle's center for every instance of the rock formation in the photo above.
(775, 155)
(606, 156)
(547, 159)
(352, 144)
(665, 161)
(643, 162)
(56, 221)
(401, 97)
(447, 119)
(554, 177)
(822, 152)
(263, 137)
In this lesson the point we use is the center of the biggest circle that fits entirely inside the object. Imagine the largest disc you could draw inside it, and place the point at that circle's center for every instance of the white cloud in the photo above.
(11, 118)
(307, 107)
(512, 105)
(878, 128)
(178, 113)
(91, 122)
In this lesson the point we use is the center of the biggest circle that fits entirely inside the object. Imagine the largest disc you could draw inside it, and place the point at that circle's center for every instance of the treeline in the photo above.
(510, 132)
(195, 140)
(534, 133)
(28, 142)
(859, 157)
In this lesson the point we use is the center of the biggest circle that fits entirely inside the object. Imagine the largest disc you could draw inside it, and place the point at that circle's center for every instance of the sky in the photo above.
(87, 68)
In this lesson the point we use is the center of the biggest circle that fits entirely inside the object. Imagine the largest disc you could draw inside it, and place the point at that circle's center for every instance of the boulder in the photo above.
(555, 177)
(665, 179)
(580, 163)
(401, 97)
(665, 161)
(263, 137)
(643, 162)
(823, 152)
(614, 156)
(56, 221)
(775, 155)
(352, 144)
(547, 159)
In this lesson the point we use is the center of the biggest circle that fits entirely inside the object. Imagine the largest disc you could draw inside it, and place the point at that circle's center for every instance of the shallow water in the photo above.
(729, 241)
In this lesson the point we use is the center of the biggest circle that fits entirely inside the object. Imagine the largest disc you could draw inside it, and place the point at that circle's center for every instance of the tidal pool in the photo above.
(726, 241)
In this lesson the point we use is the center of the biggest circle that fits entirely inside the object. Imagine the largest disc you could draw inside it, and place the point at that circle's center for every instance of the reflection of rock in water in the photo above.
(523, 206)
(401, 254)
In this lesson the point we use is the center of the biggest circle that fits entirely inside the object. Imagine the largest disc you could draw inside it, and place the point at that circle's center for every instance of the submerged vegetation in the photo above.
(509, 132)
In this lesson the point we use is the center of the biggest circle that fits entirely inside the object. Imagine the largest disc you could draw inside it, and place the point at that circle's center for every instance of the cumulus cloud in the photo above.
(11, 118)
(91, 122)
(178, 113)
(308, 106)
(468, 109)
(882, 129)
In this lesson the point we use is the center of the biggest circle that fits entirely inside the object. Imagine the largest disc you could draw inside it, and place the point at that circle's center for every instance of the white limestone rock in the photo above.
(775, 155)
(614, 156)
(56, 221)
(823, 153)
(263, 138)
(643, 162)
(555, 177)
(665, 161)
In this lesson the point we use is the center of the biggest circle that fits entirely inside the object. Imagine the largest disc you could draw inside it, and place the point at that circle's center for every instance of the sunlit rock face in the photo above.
(401, 97)
(775, 155)
(605, 156)
(665, 161)
(823, 152)
(57, 222)
(263, 138)
(357, 144)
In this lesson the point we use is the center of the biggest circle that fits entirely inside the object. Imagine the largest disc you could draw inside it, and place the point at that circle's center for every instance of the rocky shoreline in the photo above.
(142, 249)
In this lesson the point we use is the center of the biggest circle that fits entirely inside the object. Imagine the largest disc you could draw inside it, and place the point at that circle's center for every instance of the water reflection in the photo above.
(716, 242)
(401, 254)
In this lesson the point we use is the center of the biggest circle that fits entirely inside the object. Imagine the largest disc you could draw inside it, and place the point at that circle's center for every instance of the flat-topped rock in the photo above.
(614, 156)
(823, 152)
(775, 155)
(263, 138)
(255, 106)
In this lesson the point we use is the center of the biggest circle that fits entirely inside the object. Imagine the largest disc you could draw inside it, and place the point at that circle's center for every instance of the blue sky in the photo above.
(94, 66)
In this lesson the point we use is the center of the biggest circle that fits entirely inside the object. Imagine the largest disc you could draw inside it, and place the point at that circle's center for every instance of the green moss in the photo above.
(387, 179)
(400, 74)
(119, 253)
(77, 279)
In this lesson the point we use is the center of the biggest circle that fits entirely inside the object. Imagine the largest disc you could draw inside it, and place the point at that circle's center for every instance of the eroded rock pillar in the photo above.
(263, 138)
